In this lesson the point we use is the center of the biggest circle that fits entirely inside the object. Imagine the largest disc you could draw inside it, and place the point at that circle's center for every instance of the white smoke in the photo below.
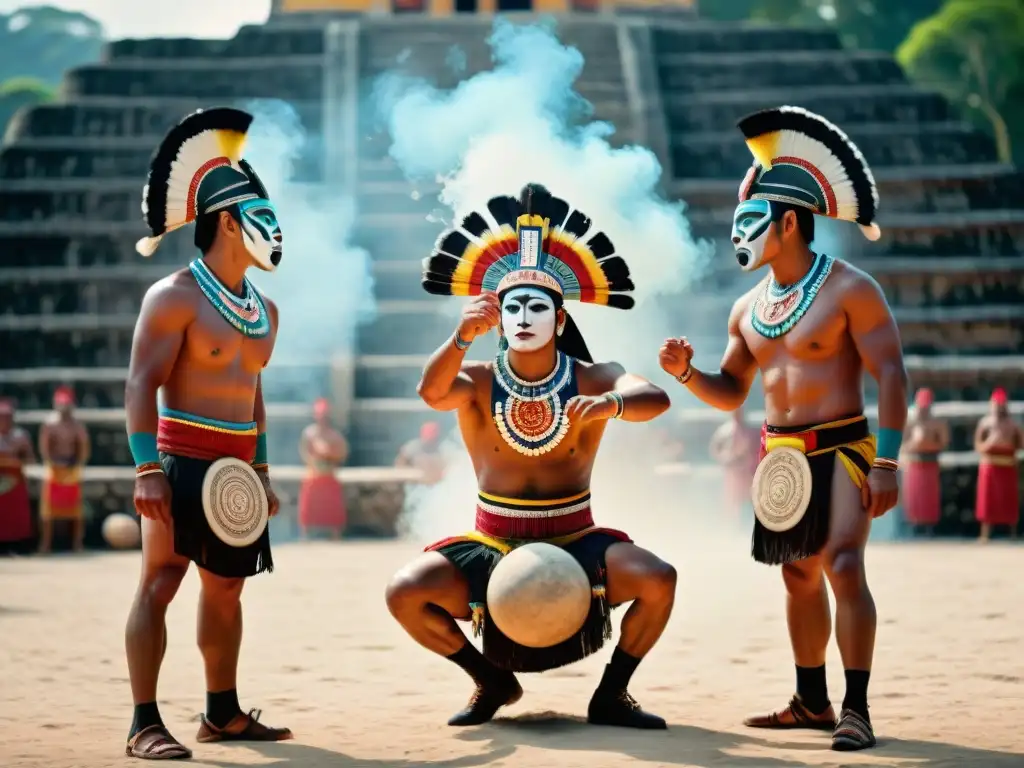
(523, 122)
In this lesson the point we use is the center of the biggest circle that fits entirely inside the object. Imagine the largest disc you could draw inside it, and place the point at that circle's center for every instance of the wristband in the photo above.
(889, 464)
(889, 443)
(460, 343)
(685, 375)
(259, 461)
(619, 403)
(148, 468)
(143, 448)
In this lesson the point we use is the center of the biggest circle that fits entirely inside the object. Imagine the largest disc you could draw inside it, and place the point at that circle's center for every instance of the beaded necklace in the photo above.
(248, 313)
(779, 308)
(530, 415)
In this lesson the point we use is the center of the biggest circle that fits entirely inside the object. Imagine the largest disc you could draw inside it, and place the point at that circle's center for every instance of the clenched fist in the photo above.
(675, 356)
(479, 316)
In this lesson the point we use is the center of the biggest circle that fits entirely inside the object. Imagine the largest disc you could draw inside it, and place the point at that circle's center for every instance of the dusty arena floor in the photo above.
(322, 656)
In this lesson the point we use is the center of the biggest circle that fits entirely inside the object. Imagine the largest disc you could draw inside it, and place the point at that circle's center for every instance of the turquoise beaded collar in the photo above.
(248, 313)
(778, 309)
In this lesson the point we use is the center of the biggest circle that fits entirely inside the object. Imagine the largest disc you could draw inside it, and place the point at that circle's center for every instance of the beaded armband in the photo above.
(619, 403)
(889, 441)
(461, 343)
(144, 453)
(259, 462)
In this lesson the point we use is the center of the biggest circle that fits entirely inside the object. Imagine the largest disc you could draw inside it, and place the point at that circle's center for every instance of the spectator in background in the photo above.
(997, 440)
(15, 510)
(736, 446)
(424, 454)
(64, 448)
(924, 438)
(321, 497)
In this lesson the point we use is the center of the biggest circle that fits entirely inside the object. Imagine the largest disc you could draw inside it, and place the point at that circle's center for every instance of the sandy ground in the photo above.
(322, 656)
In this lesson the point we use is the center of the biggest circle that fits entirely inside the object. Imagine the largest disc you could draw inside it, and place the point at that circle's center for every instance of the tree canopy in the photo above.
(972, 51)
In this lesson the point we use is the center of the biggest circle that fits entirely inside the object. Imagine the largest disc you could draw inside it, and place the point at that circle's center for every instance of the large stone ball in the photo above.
(121, 531)
(538, 595)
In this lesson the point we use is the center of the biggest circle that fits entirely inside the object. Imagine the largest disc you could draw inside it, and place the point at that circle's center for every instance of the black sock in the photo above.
(812, 688)
(145, 715)
(618, 672)
(474, 664)
(222, 707)
(857, 691)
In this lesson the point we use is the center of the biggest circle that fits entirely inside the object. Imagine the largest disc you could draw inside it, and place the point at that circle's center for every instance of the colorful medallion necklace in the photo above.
(530, 415)
(248, 313)
(779, 308)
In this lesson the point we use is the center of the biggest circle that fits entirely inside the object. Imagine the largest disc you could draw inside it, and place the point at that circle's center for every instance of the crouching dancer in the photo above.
(532, 420)
(203, 337)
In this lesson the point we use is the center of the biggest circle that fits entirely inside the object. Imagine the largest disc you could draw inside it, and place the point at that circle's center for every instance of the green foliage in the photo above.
(21, 92)
(43, 42)
(972, 51)
(861, 24)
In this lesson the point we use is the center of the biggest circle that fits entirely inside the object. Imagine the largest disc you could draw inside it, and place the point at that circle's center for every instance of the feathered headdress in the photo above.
(539, 240)
(802, 159)
(197, 169)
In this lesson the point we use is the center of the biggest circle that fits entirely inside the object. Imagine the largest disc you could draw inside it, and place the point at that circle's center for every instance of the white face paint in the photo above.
(750, 225)
(261, 233)
(528, 319)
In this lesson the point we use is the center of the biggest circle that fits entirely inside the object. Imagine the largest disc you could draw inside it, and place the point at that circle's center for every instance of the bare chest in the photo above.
(214, 343)
(819, 333)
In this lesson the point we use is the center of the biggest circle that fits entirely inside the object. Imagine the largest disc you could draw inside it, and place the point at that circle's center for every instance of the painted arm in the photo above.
(877, 339)
(159, 334)
(641, 400)
(445, 384)
(727, 389)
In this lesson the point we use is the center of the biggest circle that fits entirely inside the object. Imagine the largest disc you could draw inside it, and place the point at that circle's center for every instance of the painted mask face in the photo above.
(261, 233)
(528, 319)
(750, 226)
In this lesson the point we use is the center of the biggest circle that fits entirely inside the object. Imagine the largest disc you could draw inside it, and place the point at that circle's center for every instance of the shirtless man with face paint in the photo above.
(812, 327)
(532, 421)
(203, 337)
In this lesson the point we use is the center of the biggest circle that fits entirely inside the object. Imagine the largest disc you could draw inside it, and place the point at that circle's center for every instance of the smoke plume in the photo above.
(523, 122)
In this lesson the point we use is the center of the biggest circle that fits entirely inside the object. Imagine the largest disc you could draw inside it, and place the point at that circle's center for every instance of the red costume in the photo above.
(15, 510)
(998, 501)
(922, 490)
(62, 484)
(321, 497)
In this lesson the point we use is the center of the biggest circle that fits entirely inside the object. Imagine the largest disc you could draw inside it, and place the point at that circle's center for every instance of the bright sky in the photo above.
(161, 18)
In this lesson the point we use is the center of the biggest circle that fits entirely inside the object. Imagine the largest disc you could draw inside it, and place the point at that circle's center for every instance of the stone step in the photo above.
(95, 118)
(250, 41)
(766, 69)
(691, 38)
(719, 111)
(206, 79)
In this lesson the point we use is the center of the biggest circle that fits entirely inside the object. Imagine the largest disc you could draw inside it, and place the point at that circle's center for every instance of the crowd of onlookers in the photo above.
(998, 440)
(63, 450)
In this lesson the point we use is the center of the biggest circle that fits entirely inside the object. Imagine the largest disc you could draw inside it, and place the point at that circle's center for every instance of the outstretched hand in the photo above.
(880, 492)
(583, 409)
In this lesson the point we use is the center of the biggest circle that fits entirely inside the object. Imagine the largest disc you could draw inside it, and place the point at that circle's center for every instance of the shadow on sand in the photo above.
(679, 745)
(694, 746)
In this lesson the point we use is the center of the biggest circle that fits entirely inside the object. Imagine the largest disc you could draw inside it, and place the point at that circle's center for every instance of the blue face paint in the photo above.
(750, 225)
(261, 232)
